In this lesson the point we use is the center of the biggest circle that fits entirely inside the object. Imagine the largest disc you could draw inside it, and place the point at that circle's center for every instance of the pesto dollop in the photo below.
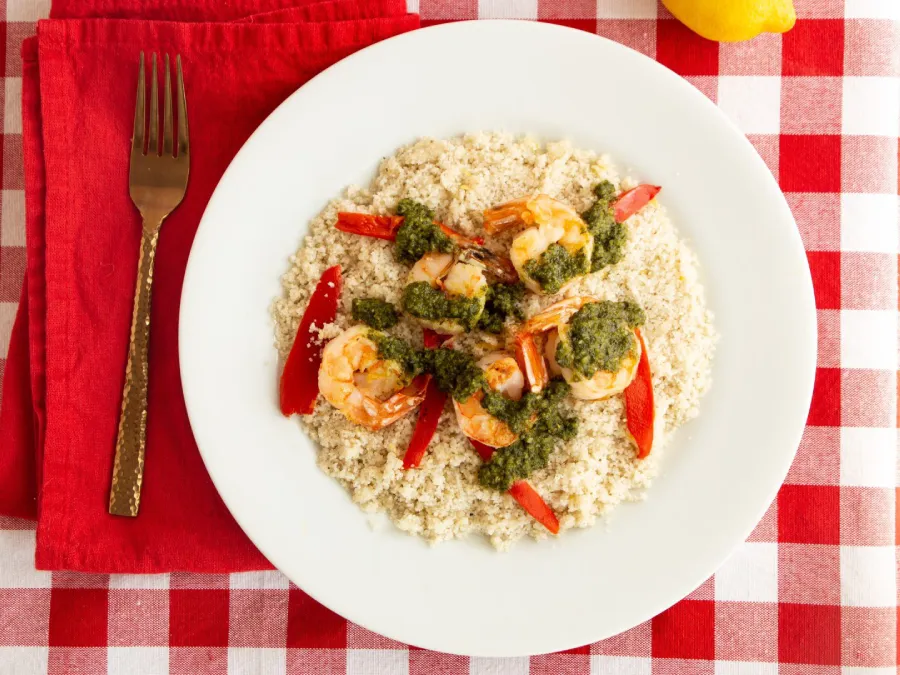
(375, 313)
(394, 349)
(421, 300)
(599, 336)
(521, 415)
(455, 372)
(540, 424)
(418, 234)
(502, 301)
(610, 237)
(555, 266)
(537, 419)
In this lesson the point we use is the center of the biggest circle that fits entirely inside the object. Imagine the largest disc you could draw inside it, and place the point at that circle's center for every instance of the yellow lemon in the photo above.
(734, 20)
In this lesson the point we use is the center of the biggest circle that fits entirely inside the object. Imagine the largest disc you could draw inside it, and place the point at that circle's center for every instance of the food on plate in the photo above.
(503, 378)
(299, 379)
(555, 247)
(445, 292)
(367, 376)
(514, 333)
(590, 343)
(375, 313)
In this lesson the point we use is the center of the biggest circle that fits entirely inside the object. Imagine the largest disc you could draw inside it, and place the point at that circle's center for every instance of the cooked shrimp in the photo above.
(553, 324)
(367, 389)
(503, 376)
(459, 278)
(601, 384)
(549, 222)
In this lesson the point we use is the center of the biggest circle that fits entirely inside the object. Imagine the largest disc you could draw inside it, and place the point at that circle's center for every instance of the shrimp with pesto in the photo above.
(446, 292)
(367, 386)
(554, 249)
(503, 376)
(591, 343)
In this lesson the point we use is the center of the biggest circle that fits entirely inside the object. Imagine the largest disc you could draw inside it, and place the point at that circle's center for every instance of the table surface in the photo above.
(813, 590)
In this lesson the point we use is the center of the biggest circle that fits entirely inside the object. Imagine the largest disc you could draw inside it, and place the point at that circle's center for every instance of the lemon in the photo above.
(734, 20)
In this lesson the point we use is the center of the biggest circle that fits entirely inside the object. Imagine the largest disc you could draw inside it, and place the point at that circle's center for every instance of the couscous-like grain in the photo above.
(459, 178)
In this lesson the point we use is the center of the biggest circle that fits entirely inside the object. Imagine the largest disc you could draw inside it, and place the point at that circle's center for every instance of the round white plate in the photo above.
(720, 473)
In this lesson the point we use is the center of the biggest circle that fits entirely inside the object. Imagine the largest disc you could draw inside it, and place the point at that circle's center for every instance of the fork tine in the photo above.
(167, 112)
(183, 143)
(153, 129)
(137, 137)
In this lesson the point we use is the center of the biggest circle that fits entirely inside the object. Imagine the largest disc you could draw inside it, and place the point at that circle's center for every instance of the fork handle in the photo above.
(128, 468)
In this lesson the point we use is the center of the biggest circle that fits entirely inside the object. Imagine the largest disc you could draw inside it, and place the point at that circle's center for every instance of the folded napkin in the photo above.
(66, 363)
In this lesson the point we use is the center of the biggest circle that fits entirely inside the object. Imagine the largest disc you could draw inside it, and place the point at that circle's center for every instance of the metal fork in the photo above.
(157, 183)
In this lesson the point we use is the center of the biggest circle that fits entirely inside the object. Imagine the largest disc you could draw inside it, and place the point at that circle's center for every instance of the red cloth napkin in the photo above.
(67, 354)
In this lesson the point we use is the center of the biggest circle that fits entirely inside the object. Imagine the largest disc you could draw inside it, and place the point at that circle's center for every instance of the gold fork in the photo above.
(157, 182)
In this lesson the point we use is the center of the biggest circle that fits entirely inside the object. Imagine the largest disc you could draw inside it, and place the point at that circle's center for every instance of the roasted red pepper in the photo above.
(640, 412)
(523, 493)
(432, 339)
(300, 377)
(380, 227)
(429, 416)
(484, 451)
(534, 505)
(633, 200)
(429, 412)
(385, 227)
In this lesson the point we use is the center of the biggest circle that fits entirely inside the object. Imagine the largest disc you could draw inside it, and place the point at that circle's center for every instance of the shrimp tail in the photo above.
(404, 401)
(531, 362)
(555, 315)
(498, 266)
(506, 216)
(459, 239)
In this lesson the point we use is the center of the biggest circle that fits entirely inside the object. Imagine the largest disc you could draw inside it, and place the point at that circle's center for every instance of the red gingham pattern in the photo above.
(814, 589)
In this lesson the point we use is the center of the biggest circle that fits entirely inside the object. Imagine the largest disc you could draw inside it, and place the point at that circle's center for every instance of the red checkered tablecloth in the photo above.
(814, 589)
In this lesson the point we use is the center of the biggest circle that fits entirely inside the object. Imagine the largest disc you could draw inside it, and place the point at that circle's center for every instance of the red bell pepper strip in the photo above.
(385, 227)
(429, 416)
(380, 227)
(429, 412)
(639, 409)
(484, 451)
(534, 505)
(300, 377)
(433, 339)
(523, 493)
(633, 200)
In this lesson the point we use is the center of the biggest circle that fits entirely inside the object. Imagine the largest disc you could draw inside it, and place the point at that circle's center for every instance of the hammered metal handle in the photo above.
(128, 469)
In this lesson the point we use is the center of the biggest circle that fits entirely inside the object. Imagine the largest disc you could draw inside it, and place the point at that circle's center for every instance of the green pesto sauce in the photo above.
(610, 237)
(455, 372)
(502, 301)
(423, 301)
(418, 234)
(540, 424)
(520, 415)
(537, 419)
(555, 266)
(605, 191)
(600, 335)
(394, 349)
(375, 313)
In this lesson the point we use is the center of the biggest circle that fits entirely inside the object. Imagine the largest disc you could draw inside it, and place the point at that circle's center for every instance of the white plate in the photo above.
(720, 473)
